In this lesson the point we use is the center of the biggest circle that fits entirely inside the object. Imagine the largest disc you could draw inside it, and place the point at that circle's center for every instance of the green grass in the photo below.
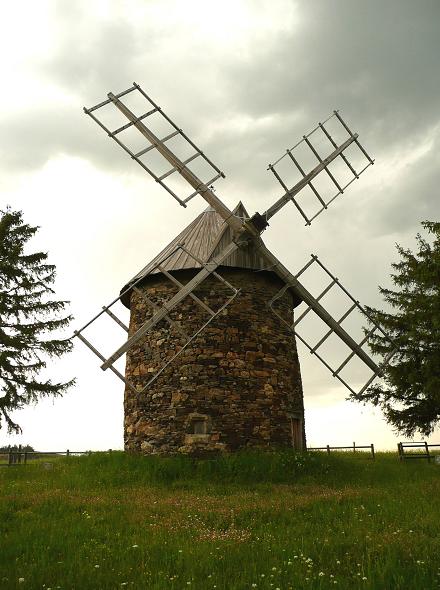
(250, 520)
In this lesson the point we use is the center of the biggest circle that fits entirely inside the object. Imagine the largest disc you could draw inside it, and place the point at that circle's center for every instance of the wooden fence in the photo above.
(354, 447)
(17, 456)
(406, 450)
(415, 450)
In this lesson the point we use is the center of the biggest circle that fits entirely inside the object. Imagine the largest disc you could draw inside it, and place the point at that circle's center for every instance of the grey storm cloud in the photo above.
(376, 61)
(418, 200)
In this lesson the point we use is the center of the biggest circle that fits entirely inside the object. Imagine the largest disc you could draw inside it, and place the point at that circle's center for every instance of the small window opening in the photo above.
(199, 427)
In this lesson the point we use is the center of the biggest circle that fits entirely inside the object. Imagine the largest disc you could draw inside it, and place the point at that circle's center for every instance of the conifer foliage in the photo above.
(409, 393)
(28, 317)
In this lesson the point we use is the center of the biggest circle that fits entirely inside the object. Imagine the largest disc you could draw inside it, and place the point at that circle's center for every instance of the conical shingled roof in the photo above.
(198, 238)
(204, 237)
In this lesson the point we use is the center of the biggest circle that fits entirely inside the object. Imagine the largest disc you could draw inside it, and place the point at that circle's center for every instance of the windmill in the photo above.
(167, 154)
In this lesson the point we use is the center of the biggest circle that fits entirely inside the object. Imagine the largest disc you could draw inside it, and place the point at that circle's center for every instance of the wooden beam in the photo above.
(171, 304)
(187, 174)
(304, 294)
(278, 205)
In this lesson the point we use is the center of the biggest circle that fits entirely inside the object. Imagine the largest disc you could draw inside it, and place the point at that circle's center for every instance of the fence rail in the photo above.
(405, 450)
(354, 447)
(21, 457)
(412, 453)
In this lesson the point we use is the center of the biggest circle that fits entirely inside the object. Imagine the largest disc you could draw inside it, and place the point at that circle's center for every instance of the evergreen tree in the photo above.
(16, 448)
(409, 392)
(28, 316)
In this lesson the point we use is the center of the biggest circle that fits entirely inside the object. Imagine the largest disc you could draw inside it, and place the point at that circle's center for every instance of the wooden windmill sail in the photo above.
(176, 163)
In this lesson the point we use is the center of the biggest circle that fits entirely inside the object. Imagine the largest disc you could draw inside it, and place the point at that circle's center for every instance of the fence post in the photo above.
(9, 455)
(67, 453)
(427, 451)
(400, 451)
(354, 447)
(328, 449)
(19, 453)
(372, 450)
(25, 457)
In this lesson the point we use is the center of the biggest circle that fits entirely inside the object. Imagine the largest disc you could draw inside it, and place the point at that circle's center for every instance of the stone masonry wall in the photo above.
(232, 387)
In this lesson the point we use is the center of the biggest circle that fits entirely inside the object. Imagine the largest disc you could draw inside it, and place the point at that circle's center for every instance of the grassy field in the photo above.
(253, 520)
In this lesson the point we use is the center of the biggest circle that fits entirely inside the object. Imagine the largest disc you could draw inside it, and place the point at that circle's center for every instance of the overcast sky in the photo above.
(245, 80)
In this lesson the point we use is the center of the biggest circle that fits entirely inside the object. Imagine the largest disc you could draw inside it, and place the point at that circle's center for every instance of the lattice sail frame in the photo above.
(140, 123)
(243, 231)
(158, 315)
(323, 162)
(356, 306)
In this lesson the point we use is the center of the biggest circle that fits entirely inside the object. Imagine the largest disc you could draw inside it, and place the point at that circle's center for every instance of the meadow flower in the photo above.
(96, 566)
(321, 574)
(135, 546)
(20, 580)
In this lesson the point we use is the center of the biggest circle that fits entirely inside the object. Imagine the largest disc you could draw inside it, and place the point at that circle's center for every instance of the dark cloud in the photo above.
(375, 60)
(405, 205)
(31, 138)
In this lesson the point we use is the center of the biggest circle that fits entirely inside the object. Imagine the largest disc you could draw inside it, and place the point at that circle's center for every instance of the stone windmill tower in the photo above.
(211, 360)
(239, 385)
